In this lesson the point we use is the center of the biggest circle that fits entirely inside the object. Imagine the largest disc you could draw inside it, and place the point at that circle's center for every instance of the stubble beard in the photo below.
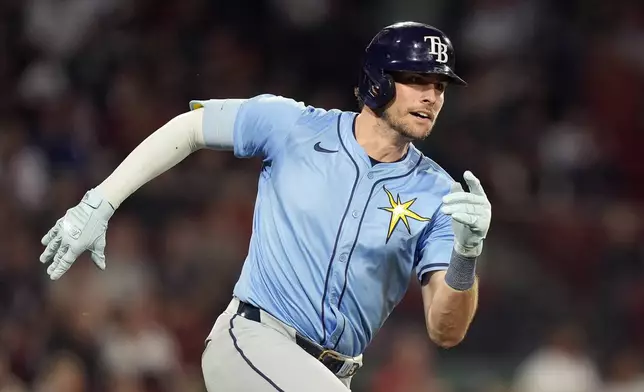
(398, 125)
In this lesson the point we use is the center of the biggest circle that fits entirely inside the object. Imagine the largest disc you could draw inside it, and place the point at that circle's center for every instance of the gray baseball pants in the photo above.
(245, 355)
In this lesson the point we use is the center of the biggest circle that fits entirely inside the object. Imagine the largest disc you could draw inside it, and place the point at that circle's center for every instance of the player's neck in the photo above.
(379, 141)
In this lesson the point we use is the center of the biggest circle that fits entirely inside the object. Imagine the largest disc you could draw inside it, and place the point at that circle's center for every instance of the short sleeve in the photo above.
(435, 245)
(257, 126)
(263, 125)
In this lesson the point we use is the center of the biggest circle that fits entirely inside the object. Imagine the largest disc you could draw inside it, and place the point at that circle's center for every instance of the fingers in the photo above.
(466, 219)
(473, 183)
(52, 242)
(99, 259)
(52, 233)
(57, 258)
(466, 208)
(50, 250)
(64, 259)
(464, 197)
(98, 254)
(476, 195)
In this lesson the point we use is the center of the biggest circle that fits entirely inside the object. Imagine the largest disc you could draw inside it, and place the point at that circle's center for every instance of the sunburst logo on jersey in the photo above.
(400, 212)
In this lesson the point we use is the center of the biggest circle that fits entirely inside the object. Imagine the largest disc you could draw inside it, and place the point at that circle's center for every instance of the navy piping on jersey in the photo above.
(239, 350)
(337, 236)
(355, 241)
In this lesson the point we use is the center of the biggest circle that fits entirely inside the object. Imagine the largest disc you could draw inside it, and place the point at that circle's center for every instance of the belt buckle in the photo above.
(331, 354)
(340, 373)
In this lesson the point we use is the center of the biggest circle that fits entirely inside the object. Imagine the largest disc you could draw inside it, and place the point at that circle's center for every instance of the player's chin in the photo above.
(419, 132)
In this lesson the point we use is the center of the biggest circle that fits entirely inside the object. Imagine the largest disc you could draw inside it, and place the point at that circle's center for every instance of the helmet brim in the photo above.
(422, 68)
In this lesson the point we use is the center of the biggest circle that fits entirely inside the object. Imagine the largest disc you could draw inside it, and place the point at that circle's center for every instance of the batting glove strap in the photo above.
(103, 208)
(461, 272)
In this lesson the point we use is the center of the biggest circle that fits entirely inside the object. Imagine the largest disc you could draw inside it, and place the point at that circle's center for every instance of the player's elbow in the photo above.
(446, 340)
(444, 337)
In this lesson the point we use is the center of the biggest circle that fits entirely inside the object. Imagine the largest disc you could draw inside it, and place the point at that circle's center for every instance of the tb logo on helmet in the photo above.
(437, 48)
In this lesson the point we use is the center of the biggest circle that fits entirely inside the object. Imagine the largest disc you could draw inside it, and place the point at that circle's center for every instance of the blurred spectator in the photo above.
(8, 381)
(62, 372)
(561, 365)
(125, 384)
(409, 366)
(625, 372)
(24, 167)
(137, 345)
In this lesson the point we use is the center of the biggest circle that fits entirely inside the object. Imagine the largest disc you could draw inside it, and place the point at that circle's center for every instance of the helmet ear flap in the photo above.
(389, 91)
(377, 88)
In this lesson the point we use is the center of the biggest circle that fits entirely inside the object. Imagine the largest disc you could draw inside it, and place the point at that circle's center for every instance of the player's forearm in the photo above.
(159, 152)
(451, 313)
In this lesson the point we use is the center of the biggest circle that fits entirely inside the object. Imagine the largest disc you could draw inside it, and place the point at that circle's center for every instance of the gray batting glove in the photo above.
(82, 228)
(471, 214)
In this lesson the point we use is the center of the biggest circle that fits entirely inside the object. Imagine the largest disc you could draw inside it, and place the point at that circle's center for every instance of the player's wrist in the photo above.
(108, 192)
(95, 199)
(461, 273)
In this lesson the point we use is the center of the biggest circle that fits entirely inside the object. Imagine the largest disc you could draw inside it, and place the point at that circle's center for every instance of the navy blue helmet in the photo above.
(404, 47)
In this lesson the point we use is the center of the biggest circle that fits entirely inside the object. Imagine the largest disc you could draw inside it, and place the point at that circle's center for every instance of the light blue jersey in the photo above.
(335, 239)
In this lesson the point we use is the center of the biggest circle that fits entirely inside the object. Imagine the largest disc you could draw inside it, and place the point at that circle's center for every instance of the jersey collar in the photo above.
(346, 132)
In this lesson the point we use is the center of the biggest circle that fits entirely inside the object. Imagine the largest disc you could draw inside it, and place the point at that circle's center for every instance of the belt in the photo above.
(333, 361)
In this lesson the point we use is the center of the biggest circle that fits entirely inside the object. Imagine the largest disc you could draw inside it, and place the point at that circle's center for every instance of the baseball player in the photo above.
(347, 210)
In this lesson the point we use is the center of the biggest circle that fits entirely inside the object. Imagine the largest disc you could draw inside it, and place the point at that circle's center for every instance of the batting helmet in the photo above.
(403, 47)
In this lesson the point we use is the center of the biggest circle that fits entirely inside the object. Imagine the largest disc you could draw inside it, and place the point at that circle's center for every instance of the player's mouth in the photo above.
(423, 115)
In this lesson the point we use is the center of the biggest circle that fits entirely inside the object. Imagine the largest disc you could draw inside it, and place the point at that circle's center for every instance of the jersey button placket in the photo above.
(333, 298)
(338, 275)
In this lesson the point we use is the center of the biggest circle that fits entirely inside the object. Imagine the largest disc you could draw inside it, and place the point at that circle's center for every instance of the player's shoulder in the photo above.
(273, 101)
(284, 107)
(432, 174)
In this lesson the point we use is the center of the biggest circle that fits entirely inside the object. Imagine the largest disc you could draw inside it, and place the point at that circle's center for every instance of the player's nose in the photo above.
(430, 95)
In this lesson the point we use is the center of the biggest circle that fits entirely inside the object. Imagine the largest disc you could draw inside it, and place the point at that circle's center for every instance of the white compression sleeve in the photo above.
(159, 152)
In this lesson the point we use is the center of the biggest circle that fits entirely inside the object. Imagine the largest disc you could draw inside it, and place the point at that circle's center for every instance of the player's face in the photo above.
(419, 99)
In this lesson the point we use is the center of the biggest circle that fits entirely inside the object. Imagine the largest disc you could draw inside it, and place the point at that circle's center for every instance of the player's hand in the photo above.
(82, 228)
(471, 214)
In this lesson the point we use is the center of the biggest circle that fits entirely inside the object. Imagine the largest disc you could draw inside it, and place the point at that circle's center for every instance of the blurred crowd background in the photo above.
(552, 121)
